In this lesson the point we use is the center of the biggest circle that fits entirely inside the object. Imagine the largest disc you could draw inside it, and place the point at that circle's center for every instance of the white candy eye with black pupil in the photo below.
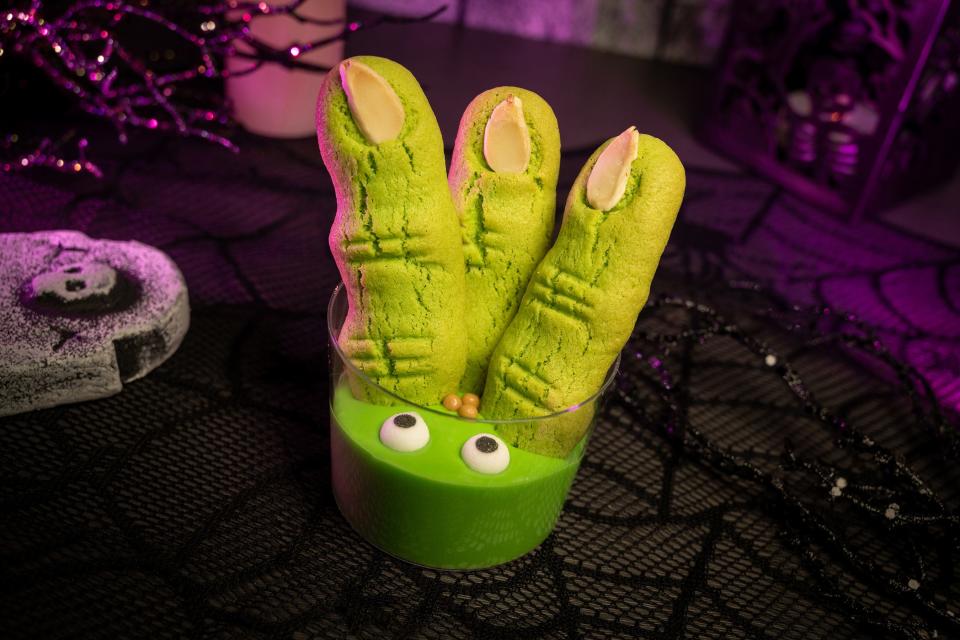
(405, 431)
(485, 453)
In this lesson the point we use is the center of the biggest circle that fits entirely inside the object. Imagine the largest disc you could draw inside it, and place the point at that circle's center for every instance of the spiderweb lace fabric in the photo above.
(740, 483)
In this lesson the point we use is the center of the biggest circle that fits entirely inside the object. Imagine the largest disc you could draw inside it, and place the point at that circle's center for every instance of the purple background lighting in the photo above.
(850, 105)
(731, 488)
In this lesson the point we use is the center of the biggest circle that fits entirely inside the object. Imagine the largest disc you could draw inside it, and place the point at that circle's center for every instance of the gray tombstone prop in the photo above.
(80, 317)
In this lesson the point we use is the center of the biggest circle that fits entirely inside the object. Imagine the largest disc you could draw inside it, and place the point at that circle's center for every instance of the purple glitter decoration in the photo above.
(84, 51)
(81, 51)
(846, 104)
(46, 154)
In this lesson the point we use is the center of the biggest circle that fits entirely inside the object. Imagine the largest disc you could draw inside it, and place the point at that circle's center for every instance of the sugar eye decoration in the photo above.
(485, 453)
(405, 432)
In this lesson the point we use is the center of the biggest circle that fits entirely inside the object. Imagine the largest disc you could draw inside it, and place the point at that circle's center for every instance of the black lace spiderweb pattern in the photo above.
(741, 483)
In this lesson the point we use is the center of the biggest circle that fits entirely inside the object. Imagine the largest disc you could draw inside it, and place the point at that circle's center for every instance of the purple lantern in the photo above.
(851, 104)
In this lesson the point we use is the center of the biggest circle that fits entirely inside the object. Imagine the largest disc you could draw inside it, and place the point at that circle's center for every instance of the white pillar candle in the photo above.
(274, 100)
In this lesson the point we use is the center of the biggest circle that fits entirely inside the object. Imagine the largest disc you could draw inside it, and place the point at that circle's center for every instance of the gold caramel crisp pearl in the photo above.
(468, 411)
(471, 399)
(451, 402)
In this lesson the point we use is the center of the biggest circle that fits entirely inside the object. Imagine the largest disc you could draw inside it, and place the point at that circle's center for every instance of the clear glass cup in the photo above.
(428, 506)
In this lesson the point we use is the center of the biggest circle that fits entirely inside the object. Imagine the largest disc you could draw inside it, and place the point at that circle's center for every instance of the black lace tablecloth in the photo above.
(197, 502)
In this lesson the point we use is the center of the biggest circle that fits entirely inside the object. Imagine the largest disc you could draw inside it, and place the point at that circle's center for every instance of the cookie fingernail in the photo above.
(608, 178)
(506, 140)
(374, 104)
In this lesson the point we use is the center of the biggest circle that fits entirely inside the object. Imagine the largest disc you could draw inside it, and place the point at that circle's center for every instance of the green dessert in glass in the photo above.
(449, 287)
(431, 505)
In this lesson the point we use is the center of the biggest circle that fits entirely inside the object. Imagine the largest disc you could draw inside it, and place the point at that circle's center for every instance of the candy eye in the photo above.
(485, 453)
(404, 432)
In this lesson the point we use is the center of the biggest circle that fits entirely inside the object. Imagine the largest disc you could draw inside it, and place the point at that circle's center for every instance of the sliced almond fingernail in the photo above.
(608, 179)
(506, 140)
(375, 106)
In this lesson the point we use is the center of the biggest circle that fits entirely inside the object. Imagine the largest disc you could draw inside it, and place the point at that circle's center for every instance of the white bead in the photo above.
(485, 453)
(398, 434)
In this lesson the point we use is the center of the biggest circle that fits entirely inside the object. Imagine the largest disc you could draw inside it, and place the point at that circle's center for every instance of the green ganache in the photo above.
(428, 506)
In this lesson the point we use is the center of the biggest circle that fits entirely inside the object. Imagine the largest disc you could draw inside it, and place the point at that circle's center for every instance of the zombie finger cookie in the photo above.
(584, 297)
(503, 178)
(395, 238)
(80, 317)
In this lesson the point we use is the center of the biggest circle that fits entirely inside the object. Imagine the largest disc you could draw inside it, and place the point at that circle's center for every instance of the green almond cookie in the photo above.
(584, 297)
(396, 236)
(503, 178)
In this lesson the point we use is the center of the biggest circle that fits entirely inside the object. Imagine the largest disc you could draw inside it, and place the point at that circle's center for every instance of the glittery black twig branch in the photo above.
(85, 51)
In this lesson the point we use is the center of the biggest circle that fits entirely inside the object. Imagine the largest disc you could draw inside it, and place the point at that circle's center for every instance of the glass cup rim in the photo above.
(338, 290)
